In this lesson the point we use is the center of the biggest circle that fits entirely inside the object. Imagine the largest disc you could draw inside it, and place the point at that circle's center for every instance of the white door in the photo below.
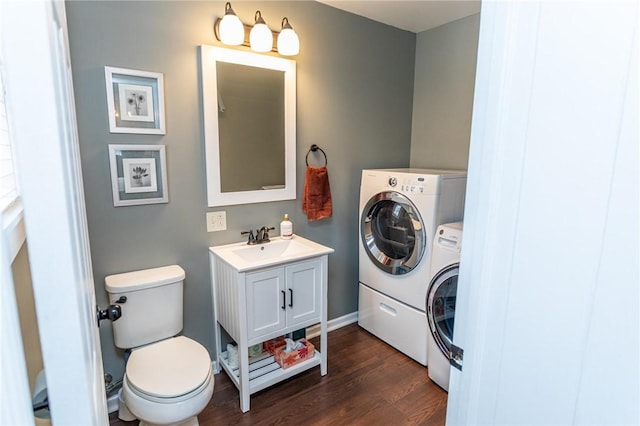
(304, 290)
(43, 125)
(266, 304)
(548, 295)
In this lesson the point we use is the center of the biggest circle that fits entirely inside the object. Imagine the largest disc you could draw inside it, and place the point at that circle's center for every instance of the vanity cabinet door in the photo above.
(303, 292)
(266, 304)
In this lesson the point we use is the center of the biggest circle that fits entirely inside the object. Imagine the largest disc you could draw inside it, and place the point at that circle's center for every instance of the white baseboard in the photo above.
(333, 324)
(112, 403)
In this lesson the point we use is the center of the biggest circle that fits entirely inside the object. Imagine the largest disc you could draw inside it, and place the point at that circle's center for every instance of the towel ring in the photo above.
(315, 148)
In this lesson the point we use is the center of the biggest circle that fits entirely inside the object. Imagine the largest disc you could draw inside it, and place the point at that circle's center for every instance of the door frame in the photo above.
(515, 125)
(43, 126)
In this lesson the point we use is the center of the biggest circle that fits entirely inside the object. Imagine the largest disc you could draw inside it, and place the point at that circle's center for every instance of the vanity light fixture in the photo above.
(261, 37)
(288, 42)
(230, 28)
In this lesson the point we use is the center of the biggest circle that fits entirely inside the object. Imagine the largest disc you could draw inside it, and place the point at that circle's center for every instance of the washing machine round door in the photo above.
(441, 307)
(392, 232)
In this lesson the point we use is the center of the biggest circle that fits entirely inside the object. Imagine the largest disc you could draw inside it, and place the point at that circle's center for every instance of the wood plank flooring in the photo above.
(368, 383)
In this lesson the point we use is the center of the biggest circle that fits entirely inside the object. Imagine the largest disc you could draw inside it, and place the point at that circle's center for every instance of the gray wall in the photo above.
(355, 97)
(443, 94)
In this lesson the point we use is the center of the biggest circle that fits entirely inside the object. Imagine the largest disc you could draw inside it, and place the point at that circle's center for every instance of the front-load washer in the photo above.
(441, 300)
(399, 212)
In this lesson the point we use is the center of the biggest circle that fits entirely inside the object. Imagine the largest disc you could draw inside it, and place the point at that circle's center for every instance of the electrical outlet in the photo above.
(216, 221)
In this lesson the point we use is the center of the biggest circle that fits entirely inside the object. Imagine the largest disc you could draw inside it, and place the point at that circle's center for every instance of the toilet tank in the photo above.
(153, 309)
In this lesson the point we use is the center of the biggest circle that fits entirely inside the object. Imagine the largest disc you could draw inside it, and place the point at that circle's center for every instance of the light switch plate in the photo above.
(216, 221)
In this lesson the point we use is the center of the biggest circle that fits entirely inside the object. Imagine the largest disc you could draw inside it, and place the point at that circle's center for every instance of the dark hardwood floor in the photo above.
(368, 383)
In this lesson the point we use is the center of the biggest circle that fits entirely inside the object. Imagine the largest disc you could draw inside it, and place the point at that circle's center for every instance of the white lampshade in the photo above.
(231, 29)
(261, 37)
(288, 42)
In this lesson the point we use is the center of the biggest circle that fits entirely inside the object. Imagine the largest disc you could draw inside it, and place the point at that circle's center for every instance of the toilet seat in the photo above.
(171, 400)
(181, 410)
(170, 370)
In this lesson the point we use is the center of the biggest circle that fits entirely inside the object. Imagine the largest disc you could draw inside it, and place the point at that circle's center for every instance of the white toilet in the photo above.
(168, 380)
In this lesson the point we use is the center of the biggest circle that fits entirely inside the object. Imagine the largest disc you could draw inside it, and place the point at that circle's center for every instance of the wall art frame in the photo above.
(138, 174)
(135, 101)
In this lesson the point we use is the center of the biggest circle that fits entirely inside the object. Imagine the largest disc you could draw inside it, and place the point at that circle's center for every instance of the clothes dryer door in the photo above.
(392, 232)
(441, 307)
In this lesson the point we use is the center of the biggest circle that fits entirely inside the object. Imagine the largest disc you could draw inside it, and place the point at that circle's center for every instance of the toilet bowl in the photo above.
(168, 379)
(168, 382)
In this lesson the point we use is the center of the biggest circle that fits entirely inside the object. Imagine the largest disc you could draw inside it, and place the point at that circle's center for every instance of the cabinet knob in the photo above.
(291, 298)
(284, 300)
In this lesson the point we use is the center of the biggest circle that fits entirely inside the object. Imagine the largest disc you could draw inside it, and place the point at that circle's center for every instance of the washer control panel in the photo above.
(409, 184)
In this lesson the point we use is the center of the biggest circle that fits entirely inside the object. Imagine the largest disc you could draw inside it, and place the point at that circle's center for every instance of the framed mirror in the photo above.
(249, 107)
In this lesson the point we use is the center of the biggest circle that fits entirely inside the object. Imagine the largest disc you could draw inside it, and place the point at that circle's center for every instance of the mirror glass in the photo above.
(249, 125)
(257, 93)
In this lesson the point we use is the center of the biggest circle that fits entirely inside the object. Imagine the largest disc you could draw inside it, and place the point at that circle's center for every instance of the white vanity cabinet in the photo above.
(283, 297)
(253, 304)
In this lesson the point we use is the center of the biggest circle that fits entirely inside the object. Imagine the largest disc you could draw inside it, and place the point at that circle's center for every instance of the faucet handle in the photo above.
(252, 239)
(263, 234)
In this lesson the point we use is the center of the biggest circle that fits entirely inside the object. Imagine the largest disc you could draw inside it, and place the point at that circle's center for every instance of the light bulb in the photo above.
(231, 29)
(261, 37)
(288, 42)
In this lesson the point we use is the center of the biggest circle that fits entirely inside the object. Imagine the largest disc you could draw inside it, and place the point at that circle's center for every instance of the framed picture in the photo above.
(138, 174)
(135, 101)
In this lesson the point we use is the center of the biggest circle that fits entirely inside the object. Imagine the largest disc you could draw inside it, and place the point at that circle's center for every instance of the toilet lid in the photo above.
(169, 368)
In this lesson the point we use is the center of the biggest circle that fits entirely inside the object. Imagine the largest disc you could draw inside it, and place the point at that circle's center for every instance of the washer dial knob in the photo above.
(393, 182)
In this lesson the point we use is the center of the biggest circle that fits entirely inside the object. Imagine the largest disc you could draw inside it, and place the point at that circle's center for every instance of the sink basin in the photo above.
(244, 257)
(271, 250)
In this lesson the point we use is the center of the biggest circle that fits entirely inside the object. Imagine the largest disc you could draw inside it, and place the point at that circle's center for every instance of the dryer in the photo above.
(441, 300)
(399, 212)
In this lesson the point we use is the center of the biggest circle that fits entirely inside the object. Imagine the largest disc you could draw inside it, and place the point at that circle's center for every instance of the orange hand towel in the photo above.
(316, 200)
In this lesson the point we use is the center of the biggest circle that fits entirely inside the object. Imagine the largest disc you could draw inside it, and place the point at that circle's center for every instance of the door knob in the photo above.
(112, 313)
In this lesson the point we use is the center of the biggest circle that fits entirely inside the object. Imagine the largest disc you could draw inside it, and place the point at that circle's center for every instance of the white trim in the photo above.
(506, 52)
(13, 231)
(15, 403)
(112, 403)
(54, 210)
(209, 55)
(333, 324)
(543, 140)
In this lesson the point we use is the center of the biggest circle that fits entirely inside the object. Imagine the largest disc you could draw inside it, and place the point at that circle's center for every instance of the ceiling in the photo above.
(415, 16)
